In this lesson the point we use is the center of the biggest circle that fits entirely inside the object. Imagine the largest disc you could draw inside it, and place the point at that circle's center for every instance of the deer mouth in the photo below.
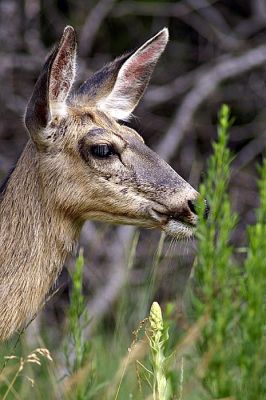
(179, 225)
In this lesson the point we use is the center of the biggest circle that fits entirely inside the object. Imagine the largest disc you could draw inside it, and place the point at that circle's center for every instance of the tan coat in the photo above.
(79, 164)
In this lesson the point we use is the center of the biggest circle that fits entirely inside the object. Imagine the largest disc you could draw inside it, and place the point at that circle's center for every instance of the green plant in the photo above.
(230, 295)
(253, 324)
(157, 337)
(77, 349)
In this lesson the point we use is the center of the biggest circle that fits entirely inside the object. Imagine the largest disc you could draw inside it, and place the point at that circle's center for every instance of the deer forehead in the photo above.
(80, 121)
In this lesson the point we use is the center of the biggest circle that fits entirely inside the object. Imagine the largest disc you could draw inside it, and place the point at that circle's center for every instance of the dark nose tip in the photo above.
(192, 207)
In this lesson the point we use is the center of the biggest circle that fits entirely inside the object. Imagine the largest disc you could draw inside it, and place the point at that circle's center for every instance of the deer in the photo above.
(81, 162)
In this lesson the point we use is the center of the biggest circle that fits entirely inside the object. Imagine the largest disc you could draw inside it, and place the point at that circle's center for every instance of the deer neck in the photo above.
(35, 240)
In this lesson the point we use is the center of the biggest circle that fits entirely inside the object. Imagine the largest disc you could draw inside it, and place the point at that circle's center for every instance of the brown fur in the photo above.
(58, 184)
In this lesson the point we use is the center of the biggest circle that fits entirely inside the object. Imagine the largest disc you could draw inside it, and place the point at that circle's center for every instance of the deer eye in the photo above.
(102, 150)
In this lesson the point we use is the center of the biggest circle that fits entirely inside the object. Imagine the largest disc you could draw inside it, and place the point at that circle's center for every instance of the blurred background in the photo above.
(216, 54)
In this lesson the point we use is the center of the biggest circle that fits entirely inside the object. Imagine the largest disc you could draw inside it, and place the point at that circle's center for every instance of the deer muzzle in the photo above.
(179, 222)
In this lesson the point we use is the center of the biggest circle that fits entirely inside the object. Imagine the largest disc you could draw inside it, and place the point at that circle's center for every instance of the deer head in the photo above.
(89, 164)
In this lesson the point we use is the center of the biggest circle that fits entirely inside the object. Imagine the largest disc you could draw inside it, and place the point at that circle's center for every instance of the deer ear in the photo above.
(49, 97)
(118, 87)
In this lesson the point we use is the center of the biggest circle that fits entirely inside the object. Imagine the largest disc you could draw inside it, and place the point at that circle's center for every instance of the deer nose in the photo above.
(192, 207)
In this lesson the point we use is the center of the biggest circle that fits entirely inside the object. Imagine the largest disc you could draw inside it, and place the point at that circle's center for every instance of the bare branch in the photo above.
(225, 68)
(216, 26)
(255, 23)
(164, 9)
(210, 13)
(107, 294)
(249, 152)
(161, 94)
(259, 9)
(92, 25)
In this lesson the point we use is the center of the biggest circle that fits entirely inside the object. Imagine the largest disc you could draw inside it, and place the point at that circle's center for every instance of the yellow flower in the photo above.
(156, 319)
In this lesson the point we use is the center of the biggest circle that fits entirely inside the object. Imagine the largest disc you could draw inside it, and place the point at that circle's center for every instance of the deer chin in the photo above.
(173, 226)
(178, 229)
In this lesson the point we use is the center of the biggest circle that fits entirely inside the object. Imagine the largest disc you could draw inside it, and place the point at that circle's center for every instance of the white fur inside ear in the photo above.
(58, 101)
(58, 109)
(133, 78)
(117, 107)
(62, 75)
